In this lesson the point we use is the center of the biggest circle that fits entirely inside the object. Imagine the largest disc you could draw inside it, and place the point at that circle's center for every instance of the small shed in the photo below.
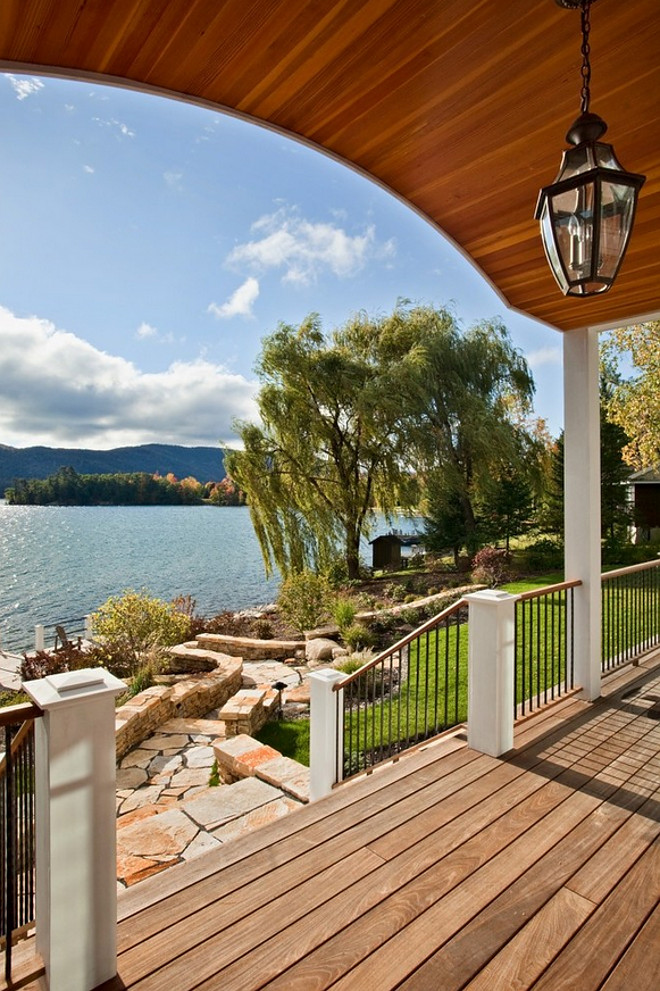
(645, 496)
(391, 551)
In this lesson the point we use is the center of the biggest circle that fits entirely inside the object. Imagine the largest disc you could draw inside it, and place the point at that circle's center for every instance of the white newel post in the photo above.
(76, 898)
(582, 500)
(325, 736)
(491, 671)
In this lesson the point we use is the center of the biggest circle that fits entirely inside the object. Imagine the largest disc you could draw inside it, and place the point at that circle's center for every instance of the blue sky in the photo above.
(149, 245)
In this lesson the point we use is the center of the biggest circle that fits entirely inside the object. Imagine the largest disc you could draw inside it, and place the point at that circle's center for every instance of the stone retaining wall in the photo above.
(249, 649)
(190, 698)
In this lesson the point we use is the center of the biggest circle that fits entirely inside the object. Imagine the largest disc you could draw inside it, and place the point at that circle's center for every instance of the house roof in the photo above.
(646, 475)
(458, 109)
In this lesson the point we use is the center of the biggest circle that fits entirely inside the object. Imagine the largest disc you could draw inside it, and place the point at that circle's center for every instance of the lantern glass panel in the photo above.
(548, 236)
(617, 211)
(573, 210)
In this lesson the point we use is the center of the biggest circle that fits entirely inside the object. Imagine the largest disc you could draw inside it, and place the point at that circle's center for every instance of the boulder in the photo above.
(320, 649)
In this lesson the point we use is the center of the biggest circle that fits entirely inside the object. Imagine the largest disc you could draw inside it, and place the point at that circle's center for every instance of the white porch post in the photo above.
(76, 911)
(326, 737)
(491, 671)
(582, 500)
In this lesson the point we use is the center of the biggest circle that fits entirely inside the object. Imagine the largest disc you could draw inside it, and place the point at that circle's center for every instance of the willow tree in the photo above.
(471, 393)
(328, 451)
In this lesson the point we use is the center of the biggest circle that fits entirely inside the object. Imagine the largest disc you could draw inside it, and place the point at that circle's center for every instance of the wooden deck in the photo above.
(447, 870)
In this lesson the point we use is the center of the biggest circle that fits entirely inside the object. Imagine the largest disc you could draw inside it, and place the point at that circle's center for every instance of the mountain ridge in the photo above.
(206, 464)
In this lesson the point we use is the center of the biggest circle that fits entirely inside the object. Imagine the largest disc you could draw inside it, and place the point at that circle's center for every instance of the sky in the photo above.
(149, 245)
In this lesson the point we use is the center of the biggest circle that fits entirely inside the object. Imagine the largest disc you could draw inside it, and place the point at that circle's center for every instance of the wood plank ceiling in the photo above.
(459, 108)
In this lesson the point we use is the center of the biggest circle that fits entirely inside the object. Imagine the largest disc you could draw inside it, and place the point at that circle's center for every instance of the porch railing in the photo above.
(630, 599)
(17, 826)
(544, 646)
(408, 693)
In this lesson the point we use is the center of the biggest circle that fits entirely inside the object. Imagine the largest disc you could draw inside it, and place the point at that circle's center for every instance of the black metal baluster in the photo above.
(11, 851)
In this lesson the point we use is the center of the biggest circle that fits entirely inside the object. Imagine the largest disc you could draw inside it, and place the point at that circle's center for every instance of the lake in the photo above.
(60, 562)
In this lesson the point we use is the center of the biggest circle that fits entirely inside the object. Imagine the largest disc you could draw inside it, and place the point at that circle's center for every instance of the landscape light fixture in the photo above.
(587, 214)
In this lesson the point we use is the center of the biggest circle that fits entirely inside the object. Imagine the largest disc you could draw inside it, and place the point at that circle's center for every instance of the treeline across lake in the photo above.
(67, 488)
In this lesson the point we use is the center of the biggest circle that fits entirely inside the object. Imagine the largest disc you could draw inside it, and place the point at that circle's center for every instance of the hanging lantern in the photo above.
(587, 214)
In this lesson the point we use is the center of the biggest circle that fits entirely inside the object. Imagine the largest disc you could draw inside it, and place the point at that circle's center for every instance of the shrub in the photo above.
(489, 566)
(263, 629)
(343, 612)
(45, 662)
(358, 637)
(349, 665)
(304, 600)
(229, 623)
(396, 591)
(544, 555)
(187, 606)
(411, 616)
(8, 697)
(136, 624)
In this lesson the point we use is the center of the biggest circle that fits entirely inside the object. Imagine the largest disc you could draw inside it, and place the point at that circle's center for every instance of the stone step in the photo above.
(242, 756)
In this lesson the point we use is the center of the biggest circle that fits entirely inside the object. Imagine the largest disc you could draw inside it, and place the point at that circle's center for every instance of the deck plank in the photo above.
(640, 965)
(525, 957)
(607, 934)
(447, 870)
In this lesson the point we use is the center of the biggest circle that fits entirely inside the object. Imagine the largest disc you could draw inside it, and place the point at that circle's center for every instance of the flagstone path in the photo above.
(168, 812)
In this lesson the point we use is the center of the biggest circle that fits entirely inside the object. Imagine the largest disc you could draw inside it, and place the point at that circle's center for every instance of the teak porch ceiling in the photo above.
(459, 108)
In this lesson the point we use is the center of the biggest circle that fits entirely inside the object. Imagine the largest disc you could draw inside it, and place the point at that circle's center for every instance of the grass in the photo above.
(289, 736)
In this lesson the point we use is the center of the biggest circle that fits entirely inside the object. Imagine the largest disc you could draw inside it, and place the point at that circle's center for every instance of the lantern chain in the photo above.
(586, 51)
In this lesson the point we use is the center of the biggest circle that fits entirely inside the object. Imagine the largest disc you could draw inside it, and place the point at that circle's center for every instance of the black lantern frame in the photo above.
(588, 212)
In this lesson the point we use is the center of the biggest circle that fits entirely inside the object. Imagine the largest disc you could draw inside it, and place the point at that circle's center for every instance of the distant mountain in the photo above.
(206, 464)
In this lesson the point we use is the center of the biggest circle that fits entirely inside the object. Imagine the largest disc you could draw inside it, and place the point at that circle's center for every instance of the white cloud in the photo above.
(303, 249)
(240, 302)
(173, 179)
(115, 125)
(89, 168)
(59, 390)
(146, 332)
(544, 356)
(24, 86)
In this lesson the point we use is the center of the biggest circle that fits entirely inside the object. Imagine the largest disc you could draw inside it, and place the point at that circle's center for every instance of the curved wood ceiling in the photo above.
(459, 108)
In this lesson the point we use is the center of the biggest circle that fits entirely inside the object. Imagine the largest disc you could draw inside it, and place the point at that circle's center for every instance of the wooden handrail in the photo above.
(536, 593)
(630, 570)
(15, 743)
(12, 714)
(420, 631)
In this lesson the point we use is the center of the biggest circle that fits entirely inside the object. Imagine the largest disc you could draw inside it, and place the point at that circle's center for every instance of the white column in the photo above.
(582, 500)
(76, 910)
(326, 731)
(490, 671)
